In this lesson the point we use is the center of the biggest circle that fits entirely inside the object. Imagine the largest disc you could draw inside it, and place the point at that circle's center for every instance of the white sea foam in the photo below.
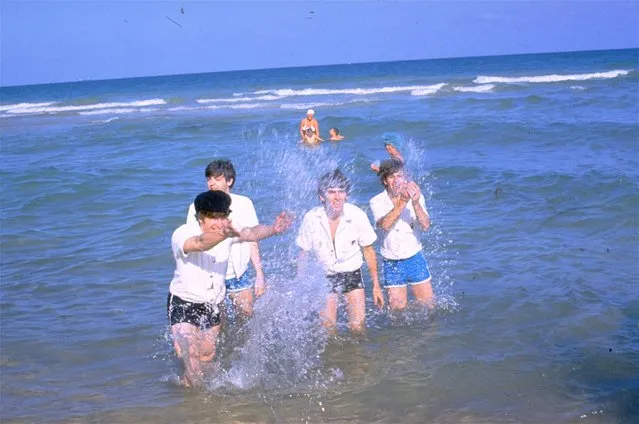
(240, 106)
(77, 108)
(290, 92)
(484, 88)
(237, 99)
(25, 106)
(427, 89)
(118, 110)
(304, 106)
(551, 78)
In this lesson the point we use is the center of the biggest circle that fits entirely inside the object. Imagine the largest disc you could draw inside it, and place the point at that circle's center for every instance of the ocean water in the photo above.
(530, 167)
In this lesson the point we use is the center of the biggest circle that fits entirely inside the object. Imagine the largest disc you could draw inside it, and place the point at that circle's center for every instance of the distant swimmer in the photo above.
(310, 138)
(335, 135)
(309, 123)
(201, 252)
(393, 152)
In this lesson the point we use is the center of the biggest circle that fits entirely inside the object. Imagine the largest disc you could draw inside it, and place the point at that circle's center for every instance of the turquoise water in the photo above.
(530, 168)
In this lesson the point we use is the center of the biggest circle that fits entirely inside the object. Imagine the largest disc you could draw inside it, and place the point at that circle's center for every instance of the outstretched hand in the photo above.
(282, 222)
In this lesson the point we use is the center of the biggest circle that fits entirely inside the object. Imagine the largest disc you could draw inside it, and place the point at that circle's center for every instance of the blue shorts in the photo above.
(398, 273)
(238, 284)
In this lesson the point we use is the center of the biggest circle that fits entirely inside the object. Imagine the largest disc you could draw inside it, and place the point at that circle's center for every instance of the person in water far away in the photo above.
(335, 135)
(393, 152)
(309, 123)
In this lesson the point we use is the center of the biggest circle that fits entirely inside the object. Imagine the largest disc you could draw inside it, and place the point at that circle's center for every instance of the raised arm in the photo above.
(206, 241)
(420, 210)
(261, 231)
(388, 220)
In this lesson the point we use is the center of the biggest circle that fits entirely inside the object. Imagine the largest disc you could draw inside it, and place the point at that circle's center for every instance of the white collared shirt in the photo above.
(353, 232)
(403, 239)
(243, 216)
(199, 276)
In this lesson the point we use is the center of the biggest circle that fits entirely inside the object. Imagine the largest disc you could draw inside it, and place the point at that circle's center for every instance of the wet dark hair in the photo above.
(333, 179)
(212, 204)
(336, 130)
(221, 167)
(389, 167)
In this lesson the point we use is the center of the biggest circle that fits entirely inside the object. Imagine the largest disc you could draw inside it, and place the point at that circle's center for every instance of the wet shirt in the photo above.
(242, 215)
(353, 232)
(402, 240)
(199, 276)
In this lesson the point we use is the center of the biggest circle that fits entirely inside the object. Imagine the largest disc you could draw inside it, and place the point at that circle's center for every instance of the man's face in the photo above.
(213, 225)
(331, 132)
(219, 183)
(396, 181)
(334, 199)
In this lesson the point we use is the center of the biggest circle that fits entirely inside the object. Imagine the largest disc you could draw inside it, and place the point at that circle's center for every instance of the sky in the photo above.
(59, 41)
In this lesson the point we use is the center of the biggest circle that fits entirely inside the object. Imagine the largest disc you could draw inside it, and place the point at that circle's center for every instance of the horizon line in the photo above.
(309, 66)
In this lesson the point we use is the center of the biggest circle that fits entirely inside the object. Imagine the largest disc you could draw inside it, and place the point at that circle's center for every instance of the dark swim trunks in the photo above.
(201, 315)
(345, 282)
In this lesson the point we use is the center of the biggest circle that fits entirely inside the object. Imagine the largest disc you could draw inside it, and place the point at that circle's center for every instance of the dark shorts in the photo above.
(201, 315)
(345, 282)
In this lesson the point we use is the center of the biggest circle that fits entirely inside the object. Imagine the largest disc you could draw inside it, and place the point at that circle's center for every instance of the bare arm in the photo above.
(420, 212)
(371, 261)
(206, 241)
(422, 216)
(388, 220)
(256, 260)
(261, 231)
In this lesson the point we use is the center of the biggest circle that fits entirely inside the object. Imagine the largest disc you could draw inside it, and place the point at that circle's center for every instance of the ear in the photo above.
(230, 182)
(322, 199)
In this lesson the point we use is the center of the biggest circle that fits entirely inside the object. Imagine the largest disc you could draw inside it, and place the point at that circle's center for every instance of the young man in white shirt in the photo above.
(220, 175)
(340, 237)
(400, 211)
(201, 254)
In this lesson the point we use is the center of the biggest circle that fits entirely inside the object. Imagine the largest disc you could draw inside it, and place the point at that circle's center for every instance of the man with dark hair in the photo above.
(337, 234)
(201, 255)
(400, 210)
(220, 175)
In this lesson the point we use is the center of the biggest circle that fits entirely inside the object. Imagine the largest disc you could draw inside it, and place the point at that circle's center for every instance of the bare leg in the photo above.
(356, 309)
(186, 347)
(207, 341)
(194, 346)
(243, 301)
(329, 314)
(397, 298)
(424, 294)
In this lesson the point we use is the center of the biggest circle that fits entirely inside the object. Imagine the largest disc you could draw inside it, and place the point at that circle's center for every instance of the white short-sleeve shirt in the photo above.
(353, 232)
(403, 239)
(199, 276)
(242, 215)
